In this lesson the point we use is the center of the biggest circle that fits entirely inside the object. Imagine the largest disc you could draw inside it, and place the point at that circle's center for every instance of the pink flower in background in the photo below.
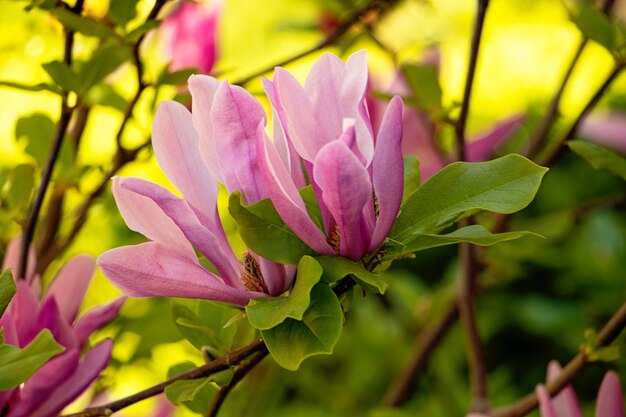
(67, 375)
(357, 176)
(187, 146)
(189, 35)
(608, 130)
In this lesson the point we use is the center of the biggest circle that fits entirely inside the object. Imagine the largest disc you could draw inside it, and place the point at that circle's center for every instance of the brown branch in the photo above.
(240, 374)
(374, 8)
(64, 121)
(607, 335)
(469, 80)
(402, 388)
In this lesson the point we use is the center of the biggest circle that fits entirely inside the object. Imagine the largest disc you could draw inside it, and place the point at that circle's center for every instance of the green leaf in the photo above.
(412, 176)
(122, 11)
(21, 184)
(504, 185)
(475, 234)
(17, 365)
(263, 231)
(292, 341)
(595, 25)
(84, 25)
(600, 157)
(195, 394)
(265, 313)
(26, 87)
(105, 95)
(62, 75)
(134, 35)
(104, 61)
(424, 83)
(337, 267)
(177, 77)
(37, 129)
(7, 290)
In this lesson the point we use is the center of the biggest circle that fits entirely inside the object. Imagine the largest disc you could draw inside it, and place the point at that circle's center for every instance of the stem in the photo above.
(240, 373)
(528, 403)
(374, 6)
(469, 82)
(401, 389)
(57, 141)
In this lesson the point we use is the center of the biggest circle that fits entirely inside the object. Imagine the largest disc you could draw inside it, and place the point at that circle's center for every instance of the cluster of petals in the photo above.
(322, 129)
(64, 377)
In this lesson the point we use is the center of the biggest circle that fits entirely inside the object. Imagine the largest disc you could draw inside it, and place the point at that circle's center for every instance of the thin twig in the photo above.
(469, 81)
(611, 330)
(240, 374)
(373, 7)
(401, 389)
(57, 141)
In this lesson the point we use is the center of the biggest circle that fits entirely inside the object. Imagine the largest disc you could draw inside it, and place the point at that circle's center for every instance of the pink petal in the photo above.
(146, 217)
(50, 317)
(176, 147)
(278, 278)
(346, 188)
(235, 116)
(70, 285)
(608, 130)
(203, 90)
(94, 363)
(286, 198)
(545, 404)
(43, 383)
(24, 309)
(484, 146)
(610, 402)
(151, 270)
(96, 318)
(565, 402)
(12, 258)
(298, 116)
(388, 171)
(211, 243)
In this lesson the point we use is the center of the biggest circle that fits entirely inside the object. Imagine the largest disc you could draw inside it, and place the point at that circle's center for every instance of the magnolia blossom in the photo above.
(357, 175)
(67, 375)
(189, 34)
(610, 402)
(607, 130)
(224, 123)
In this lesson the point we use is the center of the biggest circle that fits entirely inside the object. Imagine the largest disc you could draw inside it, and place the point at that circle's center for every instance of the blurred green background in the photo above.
(540, 296)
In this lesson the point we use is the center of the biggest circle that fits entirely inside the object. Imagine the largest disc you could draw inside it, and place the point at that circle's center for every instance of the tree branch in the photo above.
(607, 335)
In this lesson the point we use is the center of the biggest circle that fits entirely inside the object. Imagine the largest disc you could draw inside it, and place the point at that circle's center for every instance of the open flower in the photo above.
(189, 34)
(224, 123)
(357, 176)
(62, 379)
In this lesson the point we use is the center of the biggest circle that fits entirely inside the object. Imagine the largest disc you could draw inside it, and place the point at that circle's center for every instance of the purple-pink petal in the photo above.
(565, 402)
(545, 403)
(610, 402)
(50, 317)
(12, 258)
(97, 318)
(388, 171)
(70, 285)
(346, 188)
(152, 270)
(484, 146)
(608, 130)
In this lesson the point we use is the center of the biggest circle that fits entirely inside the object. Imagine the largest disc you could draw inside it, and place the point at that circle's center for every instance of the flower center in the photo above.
(251, 275)
(333, 238)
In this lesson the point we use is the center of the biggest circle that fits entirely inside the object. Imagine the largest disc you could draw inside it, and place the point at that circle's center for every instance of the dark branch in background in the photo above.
(240, 374)
(552, 113)
(402, 388)
(64, 121)
(607, 335)
(52, 247)
(459, 126)
(375, 7)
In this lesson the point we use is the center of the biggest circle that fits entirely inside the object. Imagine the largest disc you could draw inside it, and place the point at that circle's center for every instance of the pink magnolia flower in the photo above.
(186, 145)
(357, 176)
(608, 130)
(189, 34)
(67, 375)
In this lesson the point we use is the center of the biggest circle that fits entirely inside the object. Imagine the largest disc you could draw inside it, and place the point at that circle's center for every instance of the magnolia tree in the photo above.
(289, 208)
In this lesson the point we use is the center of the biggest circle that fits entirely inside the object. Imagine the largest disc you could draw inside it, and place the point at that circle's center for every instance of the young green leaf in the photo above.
(262, 229)
(84, 25)
(177, 77)
(104, 61)
(134, 35)
(37, 130)
(412, 176)
(62, 75)
(265, 313)
(195, 394)
(292, 341)
(424, 83)
(21, 185)
(475, 234)
(17, 365)
(7, 290)
(600, 157)
(504, 185)
(122, 11)
(337, 267)
(595, 25)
